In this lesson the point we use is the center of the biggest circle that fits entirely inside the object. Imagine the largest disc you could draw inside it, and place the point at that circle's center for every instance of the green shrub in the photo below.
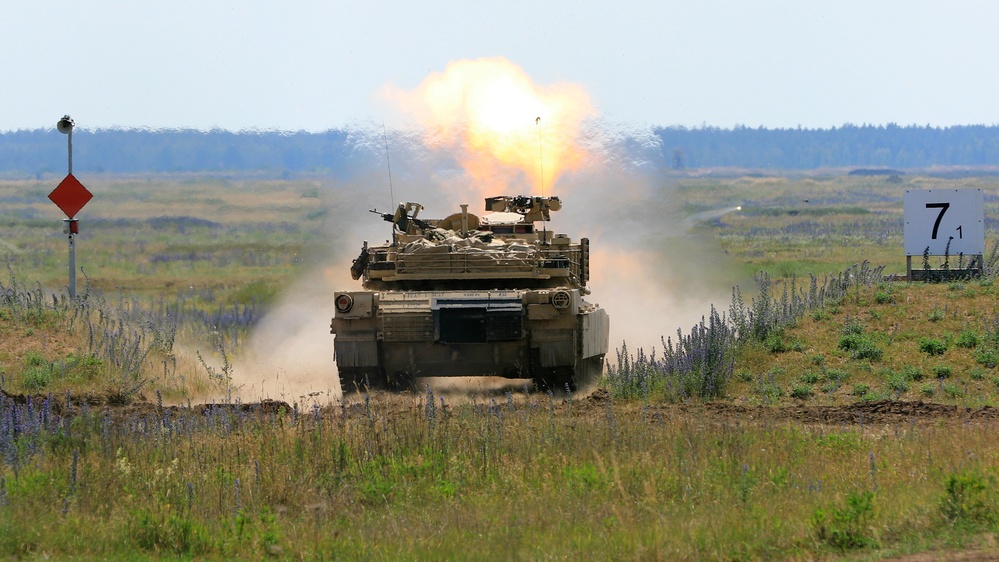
(928, 390)
(968, 339)
(585, 477)
(34, 359)
(912, 373)
(861, 389)
(936, 314)
(830, 387)
(850, 342)
(775, 344)
(898, 383)
(85, 367)
(810, 377)
(769, 390)
(36, 378)
(171, 533)
(846, 528)
(860, 346)
(868, 351)
(987, 357)
(853, 326)
(953, 391)
(968, 500)
(801, 391)
(932, 346)
(942, 371)
(875, 396)
(837, 375)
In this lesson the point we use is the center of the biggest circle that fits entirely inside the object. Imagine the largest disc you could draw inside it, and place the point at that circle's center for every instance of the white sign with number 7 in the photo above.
(947, 221)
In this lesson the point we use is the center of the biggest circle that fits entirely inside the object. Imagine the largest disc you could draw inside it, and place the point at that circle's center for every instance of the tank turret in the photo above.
(467, 295)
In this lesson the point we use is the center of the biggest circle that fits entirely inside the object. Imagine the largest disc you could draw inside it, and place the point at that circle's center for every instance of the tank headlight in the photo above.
(561, 299)
(344, 303)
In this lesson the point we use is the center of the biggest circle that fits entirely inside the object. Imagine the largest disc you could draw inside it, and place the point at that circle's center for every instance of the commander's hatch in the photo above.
(506, 223)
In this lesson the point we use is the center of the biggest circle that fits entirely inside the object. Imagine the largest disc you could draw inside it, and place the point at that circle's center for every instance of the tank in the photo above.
(467, 295)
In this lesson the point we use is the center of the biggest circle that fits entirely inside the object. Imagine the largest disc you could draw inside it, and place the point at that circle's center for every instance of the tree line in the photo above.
(33, 153)
(37, 152)
(889, 146)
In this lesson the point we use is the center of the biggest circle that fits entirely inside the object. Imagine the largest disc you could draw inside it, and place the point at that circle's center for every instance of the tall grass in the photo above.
(421, 478)
(695, 365)
(129, 343)
(699, 364)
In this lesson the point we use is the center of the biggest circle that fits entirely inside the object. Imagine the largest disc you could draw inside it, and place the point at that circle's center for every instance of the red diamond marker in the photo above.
(70, 196)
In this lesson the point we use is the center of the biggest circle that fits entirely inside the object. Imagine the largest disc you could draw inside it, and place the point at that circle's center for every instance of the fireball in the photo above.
(509, 134)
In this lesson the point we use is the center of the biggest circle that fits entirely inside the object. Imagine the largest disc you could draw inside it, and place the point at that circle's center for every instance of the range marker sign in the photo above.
(70, 196)
(944, 222)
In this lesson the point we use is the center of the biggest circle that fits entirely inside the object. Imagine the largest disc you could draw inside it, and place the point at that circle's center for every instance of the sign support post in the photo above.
(67, 224)
(70, 196)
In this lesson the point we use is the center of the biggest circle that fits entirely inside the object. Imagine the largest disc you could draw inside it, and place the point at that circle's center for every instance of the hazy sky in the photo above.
(316, 65)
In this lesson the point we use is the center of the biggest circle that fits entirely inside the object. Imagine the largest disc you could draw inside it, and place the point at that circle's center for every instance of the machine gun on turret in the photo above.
(532, 208)
(405, 218)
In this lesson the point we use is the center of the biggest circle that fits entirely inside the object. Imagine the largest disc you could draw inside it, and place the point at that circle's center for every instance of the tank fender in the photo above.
(594, 332)
(357, 349)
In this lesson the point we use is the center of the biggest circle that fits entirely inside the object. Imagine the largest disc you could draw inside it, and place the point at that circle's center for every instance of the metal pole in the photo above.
(72, 259)
(70, 228)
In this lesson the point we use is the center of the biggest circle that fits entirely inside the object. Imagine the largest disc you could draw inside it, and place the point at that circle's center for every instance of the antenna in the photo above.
(541, 164)
(541, 156)
(388, 163)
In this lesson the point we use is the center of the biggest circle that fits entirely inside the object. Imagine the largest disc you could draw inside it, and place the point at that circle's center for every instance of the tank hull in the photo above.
(390, 338)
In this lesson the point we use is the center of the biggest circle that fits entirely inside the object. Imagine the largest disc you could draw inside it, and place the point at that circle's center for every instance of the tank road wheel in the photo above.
(401, 381)
(557, 379)
(359, 379)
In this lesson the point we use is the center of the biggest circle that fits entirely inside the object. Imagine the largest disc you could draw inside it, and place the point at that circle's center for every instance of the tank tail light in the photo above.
(343, 302)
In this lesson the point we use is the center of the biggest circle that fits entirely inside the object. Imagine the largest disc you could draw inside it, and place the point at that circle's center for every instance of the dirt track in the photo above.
(595, 403)
(860, 413)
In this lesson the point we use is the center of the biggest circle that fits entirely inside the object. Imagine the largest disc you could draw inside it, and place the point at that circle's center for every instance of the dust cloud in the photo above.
(651, 270)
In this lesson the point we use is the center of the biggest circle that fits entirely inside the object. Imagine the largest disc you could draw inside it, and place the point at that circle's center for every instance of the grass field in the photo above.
(857, 425)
